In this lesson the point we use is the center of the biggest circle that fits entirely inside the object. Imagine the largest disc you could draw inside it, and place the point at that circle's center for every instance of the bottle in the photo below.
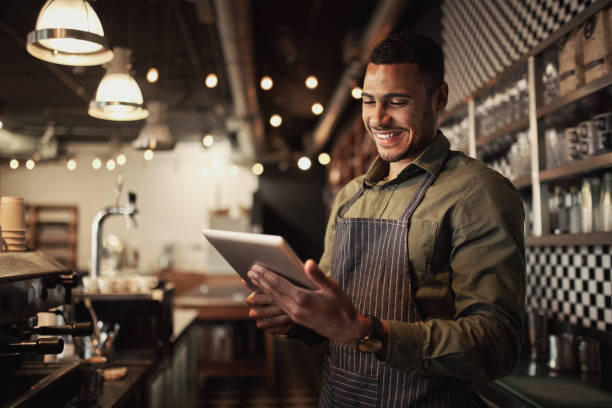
(553, 210)
(605, 203)
(587, 205)
(575, 212)
(562, 212)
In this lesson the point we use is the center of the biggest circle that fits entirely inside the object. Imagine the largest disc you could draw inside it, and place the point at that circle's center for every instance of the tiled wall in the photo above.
(572, 283)
(481, 38)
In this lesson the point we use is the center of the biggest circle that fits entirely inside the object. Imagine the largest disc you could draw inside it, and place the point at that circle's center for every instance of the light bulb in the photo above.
(211, 80)
(316, 108)
(356, 92)
(71, 164)
(266, 83)
(1, 124)
(324, 159)
(312, 82)
(152, 75)
(121, 159)
(304, 163)
(276, 120)
(96, 163)
(258, 169)
(110, 165)
(148, 155)
(14, 164)
(208, 140)
(30, 164)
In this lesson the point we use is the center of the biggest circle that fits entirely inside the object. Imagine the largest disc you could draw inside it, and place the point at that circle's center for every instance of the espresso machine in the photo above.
(32, 283)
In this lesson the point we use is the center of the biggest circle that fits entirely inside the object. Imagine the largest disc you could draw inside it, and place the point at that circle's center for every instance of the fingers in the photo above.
(265, 312)
(316, 274)
(259, 299)
(249, 285)
(275, 325)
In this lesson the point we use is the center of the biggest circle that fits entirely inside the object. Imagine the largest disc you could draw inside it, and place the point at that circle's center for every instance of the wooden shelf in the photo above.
(522, 182)
(520, 124)
(577, 168)
(574, 96)
(593, 238)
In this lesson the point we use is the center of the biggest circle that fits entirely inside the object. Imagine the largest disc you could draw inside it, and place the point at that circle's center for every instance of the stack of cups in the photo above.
(12, 222)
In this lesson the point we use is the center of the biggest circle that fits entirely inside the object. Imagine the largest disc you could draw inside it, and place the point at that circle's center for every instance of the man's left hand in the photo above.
(326, 309)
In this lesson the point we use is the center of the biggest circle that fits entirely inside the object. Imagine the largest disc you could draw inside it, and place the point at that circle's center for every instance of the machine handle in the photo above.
(77, 329)
(51, 345)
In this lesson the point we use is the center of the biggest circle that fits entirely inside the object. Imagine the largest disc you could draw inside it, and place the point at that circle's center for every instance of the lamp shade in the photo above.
(155, 134)
(118, 96)
(69, 32)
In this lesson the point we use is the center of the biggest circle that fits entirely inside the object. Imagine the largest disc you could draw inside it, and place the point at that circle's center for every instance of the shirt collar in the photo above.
(431, 160)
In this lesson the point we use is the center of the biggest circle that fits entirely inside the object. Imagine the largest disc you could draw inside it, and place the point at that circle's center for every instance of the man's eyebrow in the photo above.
(389, 95)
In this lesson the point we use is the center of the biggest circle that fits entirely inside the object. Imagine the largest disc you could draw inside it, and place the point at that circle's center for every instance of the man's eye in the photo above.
(366, 102)
(397, 103)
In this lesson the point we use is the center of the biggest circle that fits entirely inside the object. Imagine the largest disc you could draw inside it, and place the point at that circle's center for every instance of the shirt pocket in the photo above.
(421, 243)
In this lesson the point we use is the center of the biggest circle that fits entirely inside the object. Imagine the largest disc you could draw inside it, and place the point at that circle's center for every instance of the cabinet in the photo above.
(53, 229)
(542, 111)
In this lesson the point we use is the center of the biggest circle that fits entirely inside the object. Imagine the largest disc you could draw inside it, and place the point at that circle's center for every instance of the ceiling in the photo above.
(186, 40)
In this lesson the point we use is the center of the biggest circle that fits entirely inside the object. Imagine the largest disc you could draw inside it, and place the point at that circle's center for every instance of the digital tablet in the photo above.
(243, 249)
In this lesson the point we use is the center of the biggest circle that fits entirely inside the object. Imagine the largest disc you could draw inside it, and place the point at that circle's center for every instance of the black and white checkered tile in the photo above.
(480, 38)
(572, 283)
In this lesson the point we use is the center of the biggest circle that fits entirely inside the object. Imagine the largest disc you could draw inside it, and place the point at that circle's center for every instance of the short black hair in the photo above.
(412, 47)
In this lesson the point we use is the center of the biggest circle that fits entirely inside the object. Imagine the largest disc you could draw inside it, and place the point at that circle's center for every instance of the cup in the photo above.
(603, 123)
(589, 136)
(589, 355)
(562, 352)
(12, 213)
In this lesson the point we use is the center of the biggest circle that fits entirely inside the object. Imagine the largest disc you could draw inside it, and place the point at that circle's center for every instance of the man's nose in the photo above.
(380, 116)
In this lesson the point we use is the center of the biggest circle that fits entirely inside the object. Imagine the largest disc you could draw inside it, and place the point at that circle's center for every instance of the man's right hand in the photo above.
(266, 314)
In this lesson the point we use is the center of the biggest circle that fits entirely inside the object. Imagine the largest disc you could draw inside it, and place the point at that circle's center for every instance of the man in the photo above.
(421, 285)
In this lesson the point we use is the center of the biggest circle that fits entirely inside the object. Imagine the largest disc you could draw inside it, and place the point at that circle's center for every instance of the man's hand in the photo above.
(266, 314)
(326, 310)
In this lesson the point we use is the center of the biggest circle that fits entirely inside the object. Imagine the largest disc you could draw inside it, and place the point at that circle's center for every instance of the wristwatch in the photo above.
(372, 343)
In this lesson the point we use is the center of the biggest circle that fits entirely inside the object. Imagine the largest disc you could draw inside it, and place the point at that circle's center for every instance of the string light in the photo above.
(324, 159)
(316, 108)
(276, 120)
(211, 80)
(152, 75)
(30, 164)
(148, 155)
(110, 165)
(96, 163)
(121, 159)
(266, 83)
(304, 163)
(312, 82)
(356, 92)
(71, 164)
(208, 140)
(257, 169)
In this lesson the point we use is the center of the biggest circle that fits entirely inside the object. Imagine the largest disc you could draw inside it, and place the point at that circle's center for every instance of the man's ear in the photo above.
(441, 96)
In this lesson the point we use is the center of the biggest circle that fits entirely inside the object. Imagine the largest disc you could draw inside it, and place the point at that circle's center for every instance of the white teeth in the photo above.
(386, 135)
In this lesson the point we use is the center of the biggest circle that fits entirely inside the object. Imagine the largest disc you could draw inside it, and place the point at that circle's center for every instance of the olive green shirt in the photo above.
(466, 247)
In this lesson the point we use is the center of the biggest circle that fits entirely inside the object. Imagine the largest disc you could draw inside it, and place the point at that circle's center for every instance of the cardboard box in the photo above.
(597, 46)
(571, 69)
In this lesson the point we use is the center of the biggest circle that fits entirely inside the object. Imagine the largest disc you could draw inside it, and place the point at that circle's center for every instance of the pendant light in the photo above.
(118, 96)
(155, 134)
(69, 32)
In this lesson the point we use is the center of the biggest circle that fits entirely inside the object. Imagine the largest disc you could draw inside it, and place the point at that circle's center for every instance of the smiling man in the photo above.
(421, 286)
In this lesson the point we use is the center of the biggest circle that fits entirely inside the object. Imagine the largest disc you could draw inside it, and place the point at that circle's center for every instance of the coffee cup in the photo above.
(12, 213)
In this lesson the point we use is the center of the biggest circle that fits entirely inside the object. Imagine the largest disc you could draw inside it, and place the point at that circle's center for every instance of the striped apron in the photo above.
(370, 262)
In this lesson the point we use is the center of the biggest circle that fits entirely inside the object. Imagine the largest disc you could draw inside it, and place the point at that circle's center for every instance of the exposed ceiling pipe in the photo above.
(380, 26)
(234, 22)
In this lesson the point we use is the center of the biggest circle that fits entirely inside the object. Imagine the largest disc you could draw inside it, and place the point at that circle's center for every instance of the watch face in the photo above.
(368, 345)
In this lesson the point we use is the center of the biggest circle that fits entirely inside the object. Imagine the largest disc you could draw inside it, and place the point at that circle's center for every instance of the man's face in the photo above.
(398, 111)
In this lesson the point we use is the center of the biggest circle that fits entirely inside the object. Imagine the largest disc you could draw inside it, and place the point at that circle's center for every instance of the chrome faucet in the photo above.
(96, 230)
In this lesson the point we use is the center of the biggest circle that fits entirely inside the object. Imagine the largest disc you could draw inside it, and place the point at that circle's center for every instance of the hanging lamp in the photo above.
(155, 134)
(118, 96)
(69, 32)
